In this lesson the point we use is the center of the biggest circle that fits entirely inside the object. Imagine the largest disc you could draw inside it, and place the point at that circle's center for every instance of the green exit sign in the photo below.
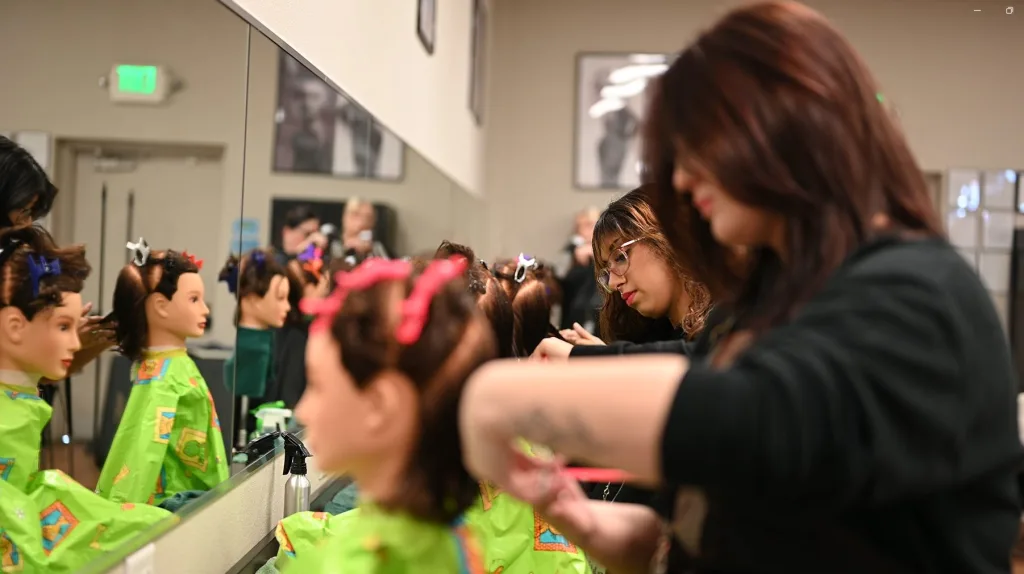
(137, 79)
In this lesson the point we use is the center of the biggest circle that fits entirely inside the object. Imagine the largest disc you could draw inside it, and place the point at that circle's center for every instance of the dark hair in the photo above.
(22, 180)
(16, 285)
(251, 275)
(627, 218)
(134, 285)
(776, 108)
(532, 300)
(298, 215)
(490, 296)
(455, 341)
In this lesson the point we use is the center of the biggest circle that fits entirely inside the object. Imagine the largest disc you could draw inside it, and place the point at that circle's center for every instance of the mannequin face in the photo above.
(378, 421)
(45, 345)
(184, 315)
(270, 310)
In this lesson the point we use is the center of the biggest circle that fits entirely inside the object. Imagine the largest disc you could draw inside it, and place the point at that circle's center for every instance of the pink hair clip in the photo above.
(415, 307)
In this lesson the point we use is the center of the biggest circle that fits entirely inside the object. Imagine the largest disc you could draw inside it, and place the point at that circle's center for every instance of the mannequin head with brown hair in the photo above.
(527, 282)
(489, 294)
(158, 300)
(392, 348)
(40, 303)
(262, 287)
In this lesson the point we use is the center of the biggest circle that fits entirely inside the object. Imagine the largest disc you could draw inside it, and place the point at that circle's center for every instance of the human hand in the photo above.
(316, 238)
(93, 331)
(583, 254)
(358, 244)
(580, 336)
(551, 348)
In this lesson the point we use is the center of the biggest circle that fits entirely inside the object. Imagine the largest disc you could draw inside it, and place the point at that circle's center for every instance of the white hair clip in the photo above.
(523, 264)
(140, 252)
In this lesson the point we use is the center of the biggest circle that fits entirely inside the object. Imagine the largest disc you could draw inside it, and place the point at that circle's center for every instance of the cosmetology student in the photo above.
(48, 521)
(27, 195)
(860, 415)
(652, 304)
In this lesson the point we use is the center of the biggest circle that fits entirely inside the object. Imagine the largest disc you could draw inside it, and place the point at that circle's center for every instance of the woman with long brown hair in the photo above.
(858, 413)
(651, 302)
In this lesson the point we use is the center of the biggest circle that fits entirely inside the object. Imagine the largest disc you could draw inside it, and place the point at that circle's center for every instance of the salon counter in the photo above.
(227, 532)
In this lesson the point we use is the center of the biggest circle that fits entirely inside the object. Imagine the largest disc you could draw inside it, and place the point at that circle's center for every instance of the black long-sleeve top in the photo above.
(875, 432)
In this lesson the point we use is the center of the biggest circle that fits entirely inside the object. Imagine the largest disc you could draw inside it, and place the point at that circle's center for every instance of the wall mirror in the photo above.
(136, 111)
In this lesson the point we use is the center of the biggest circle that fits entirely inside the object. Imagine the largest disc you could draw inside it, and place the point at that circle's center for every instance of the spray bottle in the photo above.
(297, 489)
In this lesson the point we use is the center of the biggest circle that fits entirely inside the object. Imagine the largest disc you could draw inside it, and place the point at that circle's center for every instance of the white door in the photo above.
(177, 205)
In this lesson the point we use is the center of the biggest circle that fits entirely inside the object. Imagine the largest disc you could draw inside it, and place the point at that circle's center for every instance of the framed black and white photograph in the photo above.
(320, 131)
(426, 23)
(478, 61)
(610, 101)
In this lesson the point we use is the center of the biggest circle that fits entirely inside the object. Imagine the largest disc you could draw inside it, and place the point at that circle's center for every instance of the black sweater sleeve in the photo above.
(678, 347)
(871, 394)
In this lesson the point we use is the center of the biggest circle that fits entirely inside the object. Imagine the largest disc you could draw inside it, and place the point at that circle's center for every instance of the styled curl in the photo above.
(454, 342)
(16, 287)
(134, 285)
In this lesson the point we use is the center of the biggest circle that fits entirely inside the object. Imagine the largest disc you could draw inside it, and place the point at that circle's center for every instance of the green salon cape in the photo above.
(369, 540)
(48, 522)
(169, 439)
(513, 538)
(247, 370)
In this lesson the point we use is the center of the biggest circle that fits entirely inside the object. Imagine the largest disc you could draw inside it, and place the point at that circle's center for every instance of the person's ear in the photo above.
(13, 324)
(385, 399)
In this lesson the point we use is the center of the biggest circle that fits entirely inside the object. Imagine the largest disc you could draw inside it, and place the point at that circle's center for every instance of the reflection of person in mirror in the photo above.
(357, 224)
(367, 138)
(300, 230)
(40, 307)
(620, 127)
(169, 438)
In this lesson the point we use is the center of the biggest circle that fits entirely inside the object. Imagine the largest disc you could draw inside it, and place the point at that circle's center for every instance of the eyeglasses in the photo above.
(618, 264)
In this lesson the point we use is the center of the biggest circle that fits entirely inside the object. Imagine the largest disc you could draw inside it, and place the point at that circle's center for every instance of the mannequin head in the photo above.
(527, 282)
(262, 287)
(158, 300)
(490, 297)
(392, 348)
(40, 304)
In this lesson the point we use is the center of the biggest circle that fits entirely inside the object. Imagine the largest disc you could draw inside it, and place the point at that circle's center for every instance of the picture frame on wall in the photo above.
(610, 102)
(478, 61)
(319, 130)
(426, 24)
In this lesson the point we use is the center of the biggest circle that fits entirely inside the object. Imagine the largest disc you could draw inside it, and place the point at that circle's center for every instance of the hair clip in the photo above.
(140, 252)
(415, 307)
(523, 264)
(259, 258)
(192, 259)
(312, 260)
(231, 279)
(39, 268)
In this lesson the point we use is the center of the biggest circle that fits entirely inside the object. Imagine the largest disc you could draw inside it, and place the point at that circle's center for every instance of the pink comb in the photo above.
(597, 475)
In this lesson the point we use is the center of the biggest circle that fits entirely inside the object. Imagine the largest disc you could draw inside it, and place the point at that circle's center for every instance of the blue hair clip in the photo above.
(232, 279)
(259, 258)
(39, 268)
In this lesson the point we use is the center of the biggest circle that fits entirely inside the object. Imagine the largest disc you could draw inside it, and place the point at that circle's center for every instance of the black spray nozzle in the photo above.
(295, 454)
(260, 447)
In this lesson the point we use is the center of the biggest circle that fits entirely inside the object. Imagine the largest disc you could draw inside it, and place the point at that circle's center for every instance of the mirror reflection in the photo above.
(126, 156)
(327, 186)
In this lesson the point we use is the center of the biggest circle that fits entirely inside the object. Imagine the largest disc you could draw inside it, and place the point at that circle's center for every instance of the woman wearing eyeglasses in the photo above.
(652, 303)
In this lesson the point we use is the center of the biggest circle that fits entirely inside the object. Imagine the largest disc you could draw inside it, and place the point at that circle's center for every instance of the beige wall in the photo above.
(371, 50)
(951, 72)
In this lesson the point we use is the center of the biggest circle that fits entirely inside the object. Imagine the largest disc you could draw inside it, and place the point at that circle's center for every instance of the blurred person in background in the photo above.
(301, 229)
(356, 242)
(581, 297)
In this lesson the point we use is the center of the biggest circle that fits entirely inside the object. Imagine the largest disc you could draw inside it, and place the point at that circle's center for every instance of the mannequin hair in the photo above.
(252, 274)
(489, 295)
(135, 284)
(16, 286)
(454, 342)
(532, 300)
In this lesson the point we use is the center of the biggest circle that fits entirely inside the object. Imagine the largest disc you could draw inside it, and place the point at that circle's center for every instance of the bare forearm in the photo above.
(606, 411)
(623, 537)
